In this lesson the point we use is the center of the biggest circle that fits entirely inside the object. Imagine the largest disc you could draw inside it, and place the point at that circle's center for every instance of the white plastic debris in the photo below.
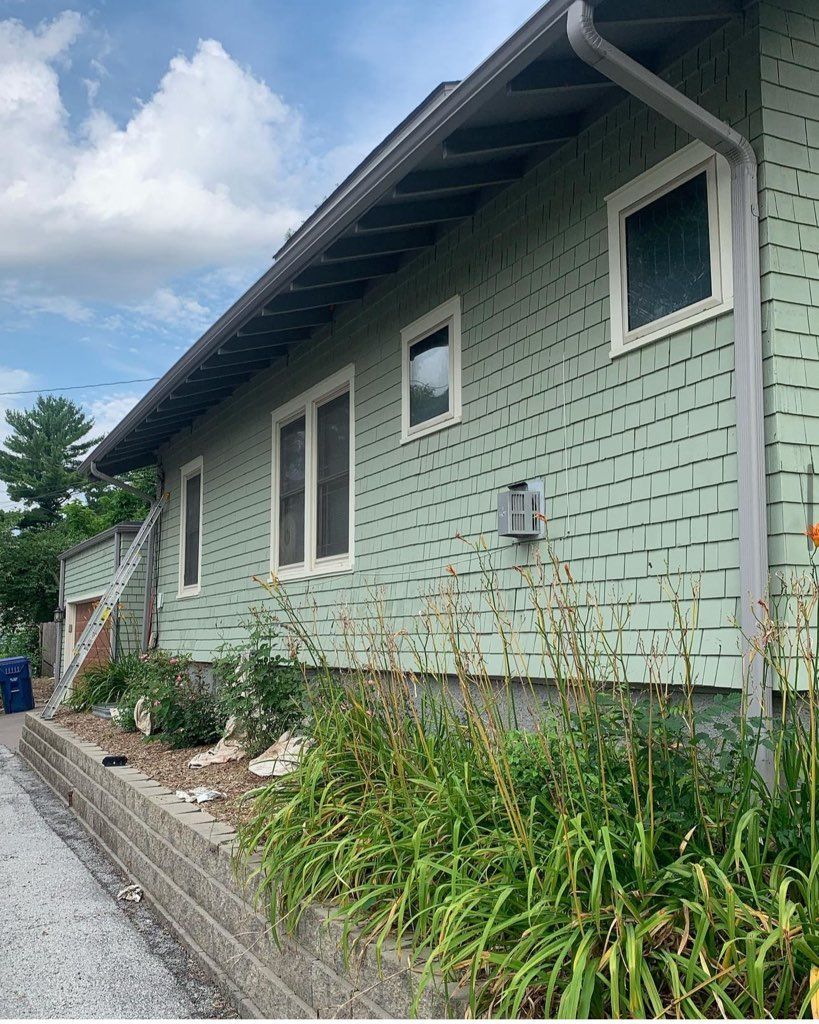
(142, 716)
(229, 748)
(281, 758)
(131, 894)
(199, 795)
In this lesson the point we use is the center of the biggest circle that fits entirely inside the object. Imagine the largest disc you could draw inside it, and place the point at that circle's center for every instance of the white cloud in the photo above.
(210, 170)
(165, 306)
(107, 412)
(33, 301)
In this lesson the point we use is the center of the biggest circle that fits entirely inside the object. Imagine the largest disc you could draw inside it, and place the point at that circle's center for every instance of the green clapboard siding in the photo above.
(88, 574)
(638, 454)
(789, 47)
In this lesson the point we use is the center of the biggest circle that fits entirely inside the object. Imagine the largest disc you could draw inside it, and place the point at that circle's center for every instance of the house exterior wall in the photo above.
(789, 62)
(88, 574)
(638, 453)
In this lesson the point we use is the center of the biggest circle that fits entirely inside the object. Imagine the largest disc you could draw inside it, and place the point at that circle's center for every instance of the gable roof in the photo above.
(456, 150)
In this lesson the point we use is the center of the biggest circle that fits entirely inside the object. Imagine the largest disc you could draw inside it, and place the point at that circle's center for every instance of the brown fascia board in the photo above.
(422, 132)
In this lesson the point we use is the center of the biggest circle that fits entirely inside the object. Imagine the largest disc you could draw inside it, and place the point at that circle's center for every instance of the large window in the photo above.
(431, 371)
(313, 480)
(670, 248)
(190, 529)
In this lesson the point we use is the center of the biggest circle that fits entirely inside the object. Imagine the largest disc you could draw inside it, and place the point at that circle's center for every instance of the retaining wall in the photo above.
(182, 858)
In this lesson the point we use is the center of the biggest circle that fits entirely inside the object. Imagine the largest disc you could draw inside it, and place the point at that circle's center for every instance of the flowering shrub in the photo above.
(183, 710)
(258, 686)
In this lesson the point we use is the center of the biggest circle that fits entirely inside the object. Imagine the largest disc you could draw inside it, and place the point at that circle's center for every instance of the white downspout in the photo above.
(618, 67)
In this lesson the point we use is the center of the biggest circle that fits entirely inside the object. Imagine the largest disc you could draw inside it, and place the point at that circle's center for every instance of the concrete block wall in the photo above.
(182, 857)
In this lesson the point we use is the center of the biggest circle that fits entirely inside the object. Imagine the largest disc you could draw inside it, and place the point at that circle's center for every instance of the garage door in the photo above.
(100, 653)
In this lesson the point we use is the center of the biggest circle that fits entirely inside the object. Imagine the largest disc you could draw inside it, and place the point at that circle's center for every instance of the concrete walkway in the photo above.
(68, 948)
(11, 729)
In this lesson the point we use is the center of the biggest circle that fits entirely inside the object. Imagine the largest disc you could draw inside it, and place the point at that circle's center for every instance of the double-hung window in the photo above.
(670, 248)
(190, 529)
(431, 371)
(312, 530)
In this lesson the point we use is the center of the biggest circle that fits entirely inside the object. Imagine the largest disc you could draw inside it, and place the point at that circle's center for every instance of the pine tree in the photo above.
(39, 463)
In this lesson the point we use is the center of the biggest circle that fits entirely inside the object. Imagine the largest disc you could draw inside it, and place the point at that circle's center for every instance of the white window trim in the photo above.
(447, 313)
(308, 404)
(665, 176)
(188, 470)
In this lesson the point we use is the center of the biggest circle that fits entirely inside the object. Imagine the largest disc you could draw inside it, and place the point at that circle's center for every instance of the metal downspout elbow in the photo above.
(667, 101)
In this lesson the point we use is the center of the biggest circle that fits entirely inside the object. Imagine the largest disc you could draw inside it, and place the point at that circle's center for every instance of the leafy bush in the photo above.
(627, 858)
(125, 709)
(104, 684)
(21, 642)
(184, 711)
(262, 689)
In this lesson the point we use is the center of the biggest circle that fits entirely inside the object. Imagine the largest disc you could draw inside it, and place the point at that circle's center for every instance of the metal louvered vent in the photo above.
(520, 511)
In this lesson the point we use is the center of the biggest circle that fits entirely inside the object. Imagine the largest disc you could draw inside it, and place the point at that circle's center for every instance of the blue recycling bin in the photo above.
(15, 684)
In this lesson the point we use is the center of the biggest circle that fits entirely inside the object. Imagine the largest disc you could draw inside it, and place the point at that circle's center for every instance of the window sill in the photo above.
(702, 315)
(431, 428)
(300, 573)
(183, 595)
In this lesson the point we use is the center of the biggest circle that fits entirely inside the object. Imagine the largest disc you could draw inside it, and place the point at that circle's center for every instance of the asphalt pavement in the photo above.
(68, 948)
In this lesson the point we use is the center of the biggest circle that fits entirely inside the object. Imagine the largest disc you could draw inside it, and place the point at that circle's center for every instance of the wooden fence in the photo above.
(48, 647)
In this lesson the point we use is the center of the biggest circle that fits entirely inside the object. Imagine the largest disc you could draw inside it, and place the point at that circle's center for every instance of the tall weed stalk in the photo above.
(620, 857)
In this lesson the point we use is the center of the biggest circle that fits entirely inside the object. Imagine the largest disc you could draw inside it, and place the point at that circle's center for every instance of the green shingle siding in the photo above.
(638, 453)
(88, 574)
(789, 46)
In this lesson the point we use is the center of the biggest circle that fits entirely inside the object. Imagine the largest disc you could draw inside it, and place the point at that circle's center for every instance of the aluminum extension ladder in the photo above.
(108, 603)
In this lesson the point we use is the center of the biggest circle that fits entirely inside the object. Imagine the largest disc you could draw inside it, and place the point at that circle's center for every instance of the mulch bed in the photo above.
(170, 767)
(43, 687)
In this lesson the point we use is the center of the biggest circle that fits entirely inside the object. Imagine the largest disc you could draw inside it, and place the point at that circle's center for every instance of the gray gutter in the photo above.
(414, 118)
(419, 139)
(590, 47)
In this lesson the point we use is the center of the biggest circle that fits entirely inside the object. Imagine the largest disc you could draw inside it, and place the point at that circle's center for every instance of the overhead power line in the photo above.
(79, 387)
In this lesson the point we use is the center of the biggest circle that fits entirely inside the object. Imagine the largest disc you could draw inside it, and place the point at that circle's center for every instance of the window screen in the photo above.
(193, 493)
(429, 377)
(333, 477)
(668, 253)
(291, 492)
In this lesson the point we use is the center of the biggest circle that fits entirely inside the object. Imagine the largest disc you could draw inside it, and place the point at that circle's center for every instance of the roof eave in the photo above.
(418, 139)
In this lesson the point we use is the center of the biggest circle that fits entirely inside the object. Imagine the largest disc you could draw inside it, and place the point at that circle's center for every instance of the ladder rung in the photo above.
(106, 605)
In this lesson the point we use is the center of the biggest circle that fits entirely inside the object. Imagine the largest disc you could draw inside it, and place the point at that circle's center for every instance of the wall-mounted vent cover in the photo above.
(520, 511)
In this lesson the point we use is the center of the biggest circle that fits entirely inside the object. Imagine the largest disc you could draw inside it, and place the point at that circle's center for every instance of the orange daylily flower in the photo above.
(812, 533)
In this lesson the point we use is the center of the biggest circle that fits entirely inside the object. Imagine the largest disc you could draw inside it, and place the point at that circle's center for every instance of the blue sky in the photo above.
(155, 153)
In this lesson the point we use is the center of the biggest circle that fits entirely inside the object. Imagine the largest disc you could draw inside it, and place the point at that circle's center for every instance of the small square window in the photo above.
(431, 371)
(670, 248)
